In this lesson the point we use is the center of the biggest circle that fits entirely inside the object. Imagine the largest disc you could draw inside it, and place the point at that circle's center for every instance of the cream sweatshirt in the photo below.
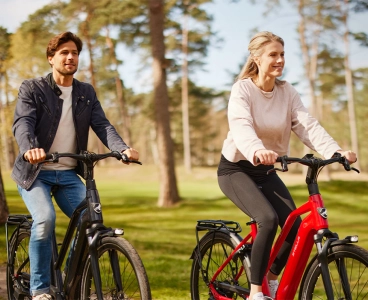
(264, 120)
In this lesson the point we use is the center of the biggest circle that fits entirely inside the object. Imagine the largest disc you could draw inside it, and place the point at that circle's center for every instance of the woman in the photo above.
(262, 112)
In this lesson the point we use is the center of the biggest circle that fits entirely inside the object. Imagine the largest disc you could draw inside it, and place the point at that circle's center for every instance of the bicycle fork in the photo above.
(323, 262)
(93, 238)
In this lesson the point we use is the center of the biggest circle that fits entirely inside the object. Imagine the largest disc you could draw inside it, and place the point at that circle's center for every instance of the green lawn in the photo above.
(165, 238)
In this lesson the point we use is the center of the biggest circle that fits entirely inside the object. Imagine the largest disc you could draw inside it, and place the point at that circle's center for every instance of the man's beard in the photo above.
(65, 72)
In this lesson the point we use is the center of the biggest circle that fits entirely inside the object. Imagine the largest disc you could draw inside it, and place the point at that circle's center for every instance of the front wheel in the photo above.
(122, 272)
(214, 249)
(348, 268)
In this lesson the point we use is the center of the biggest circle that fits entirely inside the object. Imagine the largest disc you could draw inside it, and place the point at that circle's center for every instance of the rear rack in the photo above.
(21, 221)
(214, 225)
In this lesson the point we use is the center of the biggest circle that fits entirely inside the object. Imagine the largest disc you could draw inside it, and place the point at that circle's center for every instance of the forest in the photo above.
(178, 122)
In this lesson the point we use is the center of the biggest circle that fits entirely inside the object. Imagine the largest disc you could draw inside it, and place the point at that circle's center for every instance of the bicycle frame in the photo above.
(313, 228)
(300, 252)
(302, 246)
(89, 231)
(87, 224)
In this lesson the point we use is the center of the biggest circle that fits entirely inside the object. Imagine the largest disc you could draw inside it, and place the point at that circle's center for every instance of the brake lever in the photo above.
(277, 169)
(51, 157)
(347, 165)
(284, 166)
(354, 169)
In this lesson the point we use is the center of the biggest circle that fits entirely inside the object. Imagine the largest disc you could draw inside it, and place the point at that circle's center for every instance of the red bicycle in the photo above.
(221, 260)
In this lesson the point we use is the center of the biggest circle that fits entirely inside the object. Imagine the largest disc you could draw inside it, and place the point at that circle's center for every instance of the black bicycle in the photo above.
(101, 264)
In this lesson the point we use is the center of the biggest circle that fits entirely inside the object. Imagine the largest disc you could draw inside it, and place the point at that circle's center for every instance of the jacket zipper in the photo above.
(45, 106)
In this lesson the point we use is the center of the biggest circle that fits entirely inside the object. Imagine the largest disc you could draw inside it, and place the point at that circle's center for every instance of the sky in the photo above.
(233, 23)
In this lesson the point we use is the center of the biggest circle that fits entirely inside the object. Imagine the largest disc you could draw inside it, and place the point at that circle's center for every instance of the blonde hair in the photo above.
(255, 47)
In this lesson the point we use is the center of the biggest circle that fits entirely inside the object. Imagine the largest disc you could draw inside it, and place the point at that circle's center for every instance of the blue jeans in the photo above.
(68, 191)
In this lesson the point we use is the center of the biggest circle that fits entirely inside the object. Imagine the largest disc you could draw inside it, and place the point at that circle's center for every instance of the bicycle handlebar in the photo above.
(312, 162)
(88, 157)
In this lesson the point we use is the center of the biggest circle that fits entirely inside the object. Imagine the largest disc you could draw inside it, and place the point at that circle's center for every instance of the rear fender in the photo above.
(235, 238)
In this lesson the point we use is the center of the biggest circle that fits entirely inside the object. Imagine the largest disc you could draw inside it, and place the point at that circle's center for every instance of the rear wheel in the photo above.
(122, 272)
(18, 269)
(348, 268)
(214, 249)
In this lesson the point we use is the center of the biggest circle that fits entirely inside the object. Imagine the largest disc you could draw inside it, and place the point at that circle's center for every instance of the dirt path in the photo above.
(3, 294)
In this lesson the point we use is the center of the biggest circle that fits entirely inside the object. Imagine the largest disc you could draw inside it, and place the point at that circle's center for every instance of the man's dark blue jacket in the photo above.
(37, 116)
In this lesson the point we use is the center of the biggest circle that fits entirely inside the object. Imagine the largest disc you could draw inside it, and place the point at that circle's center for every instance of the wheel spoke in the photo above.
(215, 249)
(348, 272)
(122, 273)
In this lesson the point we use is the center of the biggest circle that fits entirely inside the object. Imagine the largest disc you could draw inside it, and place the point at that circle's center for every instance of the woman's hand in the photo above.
(349, 155)
(266, 157)
(132, 154)
(35, 156)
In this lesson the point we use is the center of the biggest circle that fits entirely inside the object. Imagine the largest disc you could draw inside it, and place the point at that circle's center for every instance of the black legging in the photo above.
(269, 203)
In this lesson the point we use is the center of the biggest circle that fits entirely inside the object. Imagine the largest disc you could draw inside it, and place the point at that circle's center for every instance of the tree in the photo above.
(104, 25)
(191, 44)
(28, 44)
(4, 54)
(4, 57)
(184, 91)
(168, 187)
(4, 211)
(207, 116)
(344, 10)
(360, 92)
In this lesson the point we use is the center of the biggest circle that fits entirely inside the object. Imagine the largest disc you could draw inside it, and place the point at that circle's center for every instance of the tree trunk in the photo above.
(86, 35)
(120, 93)
(310, 60)
(169, 194)
(3, 127)
(4, 211)
(349, 85)
(185, 98)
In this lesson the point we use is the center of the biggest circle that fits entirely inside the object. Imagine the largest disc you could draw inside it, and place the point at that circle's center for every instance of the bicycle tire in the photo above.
(18, 265)
(218, 245)
(134, 279)
(356, 263)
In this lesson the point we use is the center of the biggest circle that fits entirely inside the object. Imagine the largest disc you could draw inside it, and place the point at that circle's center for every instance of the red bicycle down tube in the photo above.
(302, 246)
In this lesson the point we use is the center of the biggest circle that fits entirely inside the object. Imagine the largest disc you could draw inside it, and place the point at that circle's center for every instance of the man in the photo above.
(54, 113)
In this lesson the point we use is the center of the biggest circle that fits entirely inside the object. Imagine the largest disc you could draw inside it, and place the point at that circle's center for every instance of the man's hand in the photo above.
(132, 154)
(35, 156)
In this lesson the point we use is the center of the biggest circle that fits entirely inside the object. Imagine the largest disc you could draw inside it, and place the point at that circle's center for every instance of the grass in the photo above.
(165, 237)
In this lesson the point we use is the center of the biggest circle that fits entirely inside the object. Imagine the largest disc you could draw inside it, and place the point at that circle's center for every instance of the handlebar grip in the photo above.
(278, 159)
(125, 158)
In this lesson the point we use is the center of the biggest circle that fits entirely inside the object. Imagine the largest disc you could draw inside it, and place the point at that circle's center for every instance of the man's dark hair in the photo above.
(62, 38)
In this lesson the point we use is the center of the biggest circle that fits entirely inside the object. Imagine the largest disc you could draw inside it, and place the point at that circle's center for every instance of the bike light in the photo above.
(119, 231)
(352, 239)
